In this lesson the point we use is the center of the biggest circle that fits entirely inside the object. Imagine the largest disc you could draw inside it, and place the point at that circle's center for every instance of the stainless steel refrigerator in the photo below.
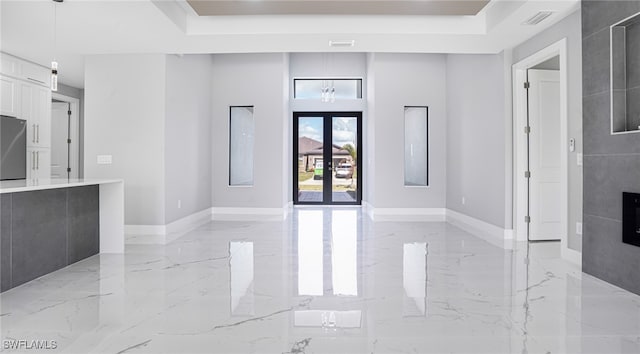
(13, 148)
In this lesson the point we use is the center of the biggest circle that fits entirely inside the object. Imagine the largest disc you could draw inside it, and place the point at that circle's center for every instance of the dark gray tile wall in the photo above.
(595, 66)
(632, 81)
(84, 223)
(43, 231)
(5, 241)
(633, 108)
(39, 228)
(619, 57)
(598, 15)
(633, 55)
(611, 162)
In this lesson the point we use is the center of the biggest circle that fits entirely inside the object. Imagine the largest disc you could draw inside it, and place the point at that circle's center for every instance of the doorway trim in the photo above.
(327, 150)
(519, 77)
(75, 131)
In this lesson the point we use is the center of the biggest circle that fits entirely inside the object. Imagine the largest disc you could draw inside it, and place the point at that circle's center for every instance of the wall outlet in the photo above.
(463, 201)
(105, 159)
(578, 228)
(179, 203)
(579, 156)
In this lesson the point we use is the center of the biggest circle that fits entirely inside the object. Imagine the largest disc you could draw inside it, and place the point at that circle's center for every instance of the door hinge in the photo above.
(527, 85)
(527, 219)
(527, 129)
(68, 169)
(527, 174)
(68, 141)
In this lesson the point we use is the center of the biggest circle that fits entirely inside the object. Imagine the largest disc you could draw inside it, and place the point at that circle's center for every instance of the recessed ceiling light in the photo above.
(537, 18)
(342, 43)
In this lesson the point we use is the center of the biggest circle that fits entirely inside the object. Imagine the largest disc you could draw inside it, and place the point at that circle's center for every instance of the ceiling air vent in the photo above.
(537, 18)
(342, 43)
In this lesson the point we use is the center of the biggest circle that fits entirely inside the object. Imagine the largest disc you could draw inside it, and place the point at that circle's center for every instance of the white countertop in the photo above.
(23, 185)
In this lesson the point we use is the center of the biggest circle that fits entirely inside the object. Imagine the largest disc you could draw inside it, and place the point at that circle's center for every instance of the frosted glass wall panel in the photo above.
(241, 141)
(416, 146)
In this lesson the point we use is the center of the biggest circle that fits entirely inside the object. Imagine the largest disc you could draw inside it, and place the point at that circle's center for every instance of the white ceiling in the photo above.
(90, 27)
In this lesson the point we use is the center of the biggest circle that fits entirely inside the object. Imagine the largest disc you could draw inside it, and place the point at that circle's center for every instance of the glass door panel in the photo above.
(310, 169)
(344, 153)
(327, 149)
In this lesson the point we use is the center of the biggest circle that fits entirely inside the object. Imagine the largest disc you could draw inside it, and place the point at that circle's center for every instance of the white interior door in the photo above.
(59, 136)
(544, 155)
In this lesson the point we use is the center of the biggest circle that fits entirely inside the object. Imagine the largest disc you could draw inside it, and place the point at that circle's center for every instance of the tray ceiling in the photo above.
(337, 7)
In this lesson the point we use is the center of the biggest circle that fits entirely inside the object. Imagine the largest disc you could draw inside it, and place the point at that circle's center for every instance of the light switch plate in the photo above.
(105, 159)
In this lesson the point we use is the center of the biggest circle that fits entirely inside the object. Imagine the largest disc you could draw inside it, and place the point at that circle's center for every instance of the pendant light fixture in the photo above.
(54, 63)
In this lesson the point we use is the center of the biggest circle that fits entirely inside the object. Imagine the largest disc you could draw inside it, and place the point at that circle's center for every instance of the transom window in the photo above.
(327, 89)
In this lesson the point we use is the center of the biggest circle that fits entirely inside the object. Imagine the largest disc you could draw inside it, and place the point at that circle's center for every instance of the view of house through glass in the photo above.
(310, 159)
(327, 173)
(344, 155)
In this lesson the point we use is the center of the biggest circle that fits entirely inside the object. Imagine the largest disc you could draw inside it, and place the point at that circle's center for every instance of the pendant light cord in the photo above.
(55, 28)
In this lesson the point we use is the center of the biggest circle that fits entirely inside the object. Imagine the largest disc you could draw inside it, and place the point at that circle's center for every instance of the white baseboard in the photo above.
(572, 256)
(509, 234)
(145, 229)
(223, 213)
(406, 214)
(188, 223)
(368, 209)
(288, 207)
(488, 232)
(163, 234)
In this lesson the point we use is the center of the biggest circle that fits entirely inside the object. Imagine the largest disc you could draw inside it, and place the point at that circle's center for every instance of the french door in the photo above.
(327, 158)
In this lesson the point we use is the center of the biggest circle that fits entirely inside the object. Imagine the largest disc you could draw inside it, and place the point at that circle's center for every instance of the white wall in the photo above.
(345, 65)
(369, 134)
(251, 80)
(406, 80)
(124, 117)
(287, 141)
(571, 29)
(476, 137)
(337, 65)
(187, 135)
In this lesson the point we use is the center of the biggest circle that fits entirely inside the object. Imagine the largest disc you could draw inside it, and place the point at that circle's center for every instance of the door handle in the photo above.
(38, 133)
(33, 160)
(33, 136)
(37, 160)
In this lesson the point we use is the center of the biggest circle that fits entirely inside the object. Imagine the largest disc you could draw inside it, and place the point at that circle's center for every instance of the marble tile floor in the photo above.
(324, 281)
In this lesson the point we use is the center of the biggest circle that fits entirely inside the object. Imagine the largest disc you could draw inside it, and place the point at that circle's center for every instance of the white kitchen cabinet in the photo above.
(25, 70)
(9, 98)
(36, 74)
(38, 163)
(35, 108)
(9, 65)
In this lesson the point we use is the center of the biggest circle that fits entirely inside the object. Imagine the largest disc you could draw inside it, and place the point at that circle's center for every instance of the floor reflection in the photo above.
(414, 279)
(310, 253)
(328, 318)
(344, 252)
(241, 278)
(326, 280)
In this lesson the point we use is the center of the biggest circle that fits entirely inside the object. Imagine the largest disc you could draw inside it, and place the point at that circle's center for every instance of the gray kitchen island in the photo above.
(48, 224)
